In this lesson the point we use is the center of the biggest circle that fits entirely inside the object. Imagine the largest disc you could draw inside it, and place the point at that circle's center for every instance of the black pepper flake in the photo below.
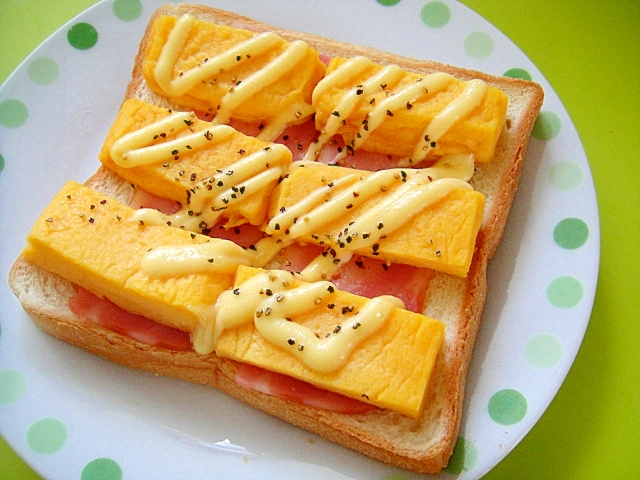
(364, 395)
(236, 291)
(335, 113)
(356, 325)
(331, 306)
(291, 341)
(349, 206)
(103, 202)
(338, 327)
(438, 253)
(330, 289)
(193, 235)
(409, 106)
(210, 260)
(300, 347)
(380, 226)
(389, 113)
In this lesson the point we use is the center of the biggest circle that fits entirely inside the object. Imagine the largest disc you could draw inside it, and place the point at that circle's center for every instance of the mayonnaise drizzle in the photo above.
(209, 199)
(244, 89)
(216, 255)
(471, 96)
(397, 100)
(404, 193)
(271, 303)
(139, 147)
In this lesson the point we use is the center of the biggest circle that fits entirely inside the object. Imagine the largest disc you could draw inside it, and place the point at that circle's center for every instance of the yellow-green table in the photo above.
(590, 53)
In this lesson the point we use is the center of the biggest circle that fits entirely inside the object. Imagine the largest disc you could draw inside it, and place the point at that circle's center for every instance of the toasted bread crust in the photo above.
(424, 445)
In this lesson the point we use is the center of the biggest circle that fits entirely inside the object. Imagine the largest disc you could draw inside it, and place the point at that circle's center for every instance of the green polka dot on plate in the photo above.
(82, 36)
(547, 126)
(565, 292)
(43, 71)
(127, 10)
(12, 385)
(388, 3)
(435, 14)
(1, 162)
(565, 175)
(47, 435)
(543, 351)
(478, 44)
(464, 458)
(13, 113)
(507, 407)
(101, 469)
(571, 233)
(518, 73)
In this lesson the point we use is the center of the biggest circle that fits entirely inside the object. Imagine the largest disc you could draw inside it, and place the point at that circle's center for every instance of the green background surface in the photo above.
(590, 53)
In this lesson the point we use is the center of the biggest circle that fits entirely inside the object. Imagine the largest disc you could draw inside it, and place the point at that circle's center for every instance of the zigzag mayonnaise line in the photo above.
(229, 82)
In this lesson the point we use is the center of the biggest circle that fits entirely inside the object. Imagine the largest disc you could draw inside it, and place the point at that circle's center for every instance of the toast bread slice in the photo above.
(423, 445)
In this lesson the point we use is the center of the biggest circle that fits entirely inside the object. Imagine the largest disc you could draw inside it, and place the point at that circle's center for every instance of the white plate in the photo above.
(71, 414)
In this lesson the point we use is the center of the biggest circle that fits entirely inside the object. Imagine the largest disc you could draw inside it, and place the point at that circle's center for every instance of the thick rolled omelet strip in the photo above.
(440, 235)
(385, 109)
(194, 175)
(207, 66)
